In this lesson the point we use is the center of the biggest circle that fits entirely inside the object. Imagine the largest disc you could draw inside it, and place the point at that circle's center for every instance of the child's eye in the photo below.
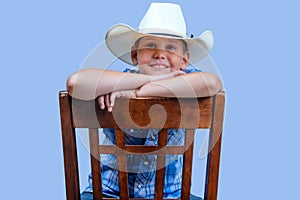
(151, 45)
(171, 48)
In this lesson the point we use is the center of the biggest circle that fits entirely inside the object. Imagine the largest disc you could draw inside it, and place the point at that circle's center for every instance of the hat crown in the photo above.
(163, 18)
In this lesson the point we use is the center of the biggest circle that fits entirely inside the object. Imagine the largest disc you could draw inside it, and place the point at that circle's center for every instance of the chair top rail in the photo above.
(158, 113)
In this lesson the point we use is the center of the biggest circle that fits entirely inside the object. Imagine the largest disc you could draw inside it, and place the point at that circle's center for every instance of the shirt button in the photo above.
(131, 130)
(139, 186)
(153, 137)
(146, 162)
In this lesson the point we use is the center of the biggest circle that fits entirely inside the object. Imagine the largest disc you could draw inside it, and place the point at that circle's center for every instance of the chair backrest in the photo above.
(161, 113)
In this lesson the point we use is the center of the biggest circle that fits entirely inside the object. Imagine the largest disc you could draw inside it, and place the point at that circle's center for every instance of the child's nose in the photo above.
(160, 54)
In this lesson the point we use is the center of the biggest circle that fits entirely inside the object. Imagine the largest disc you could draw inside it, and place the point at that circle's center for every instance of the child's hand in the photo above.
(108, 100)
(166, 76)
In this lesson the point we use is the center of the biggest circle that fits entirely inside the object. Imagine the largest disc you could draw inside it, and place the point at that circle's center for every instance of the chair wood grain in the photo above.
(160, 113)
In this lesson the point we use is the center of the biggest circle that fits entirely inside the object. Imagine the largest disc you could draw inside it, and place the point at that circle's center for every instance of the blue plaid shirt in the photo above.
(141, 168)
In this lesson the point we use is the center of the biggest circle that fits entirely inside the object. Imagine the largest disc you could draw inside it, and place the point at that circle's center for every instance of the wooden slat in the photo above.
(104, 198)
(122, 164)
(187, 164)
(140, 149)
(213, 159)
(95, 162)
(184, 113)
(160, 165)
(108, 149)
(69, 149)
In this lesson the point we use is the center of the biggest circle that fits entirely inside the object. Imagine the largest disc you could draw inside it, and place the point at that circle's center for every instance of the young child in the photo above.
(162, 52)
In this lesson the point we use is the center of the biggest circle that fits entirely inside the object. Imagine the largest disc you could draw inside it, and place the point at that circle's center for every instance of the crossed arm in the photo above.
(91, 83)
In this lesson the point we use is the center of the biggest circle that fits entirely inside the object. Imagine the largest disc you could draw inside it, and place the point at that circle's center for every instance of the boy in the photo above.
(162, 52)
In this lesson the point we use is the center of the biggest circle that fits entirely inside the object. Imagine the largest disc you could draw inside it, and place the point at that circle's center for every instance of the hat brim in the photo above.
(121, 37)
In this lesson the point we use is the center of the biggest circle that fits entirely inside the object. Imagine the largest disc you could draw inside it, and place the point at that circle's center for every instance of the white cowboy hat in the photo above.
(161, 20)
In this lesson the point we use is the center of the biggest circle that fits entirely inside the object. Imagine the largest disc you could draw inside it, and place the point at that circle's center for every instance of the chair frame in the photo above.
(77, 113)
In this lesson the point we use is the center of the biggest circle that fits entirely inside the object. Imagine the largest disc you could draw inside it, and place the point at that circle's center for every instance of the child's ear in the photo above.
(185, 60)
(134, 56)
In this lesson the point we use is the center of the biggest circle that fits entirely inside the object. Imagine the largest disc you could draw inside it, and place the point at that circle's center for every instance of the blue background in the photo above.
(256, 50)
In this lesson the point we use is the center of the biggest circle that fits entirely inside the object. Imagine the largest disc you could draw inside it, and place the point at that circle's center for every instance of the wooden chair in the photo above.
(176, 113)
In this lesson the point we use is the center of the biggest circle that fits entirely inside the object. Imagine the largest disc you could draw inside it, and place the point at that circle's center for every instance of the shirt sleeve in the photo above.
(128, 70)
(191, 70)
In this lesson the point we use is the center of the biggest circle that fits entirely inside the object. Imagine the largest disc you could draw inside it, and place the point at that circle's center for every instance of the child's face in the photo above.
(155, 55)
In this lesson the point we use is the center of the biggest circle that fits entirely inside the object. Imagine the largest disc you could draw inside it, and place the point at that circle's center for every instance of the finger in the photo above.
(107, 102)
(101, 102)
(112, 99)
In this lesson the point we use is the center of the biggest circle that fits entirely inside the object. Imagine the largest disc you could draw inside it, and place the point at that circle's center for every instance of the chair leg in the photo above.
(69, 149)
(213, 159)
